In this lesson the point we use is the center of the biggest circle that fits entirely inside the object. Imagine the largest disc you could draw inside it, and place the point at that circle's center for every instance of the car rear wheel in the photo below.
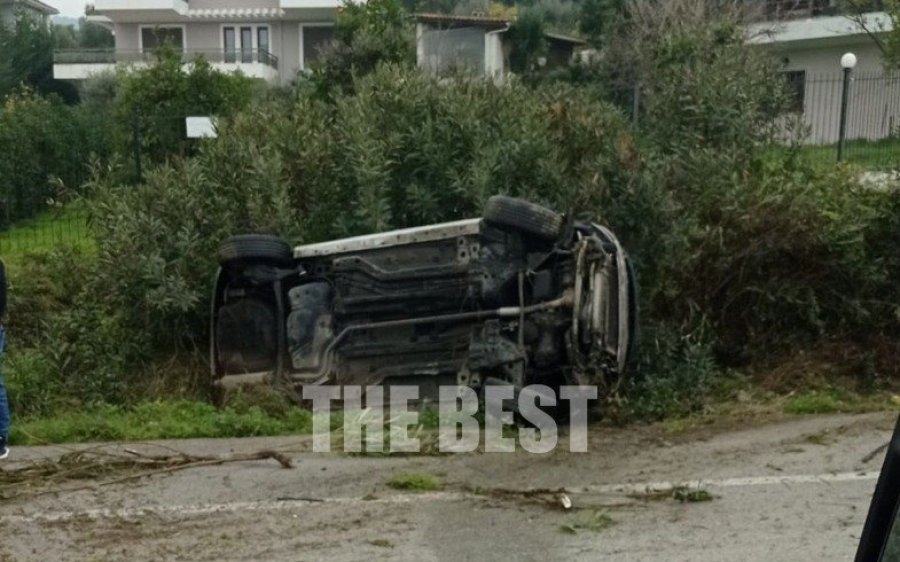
(255, 248)
(524, 216)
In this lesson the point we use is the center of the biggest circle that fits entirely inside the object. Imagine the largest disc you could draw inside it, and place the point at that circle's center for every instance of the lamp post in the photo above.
(848, 61)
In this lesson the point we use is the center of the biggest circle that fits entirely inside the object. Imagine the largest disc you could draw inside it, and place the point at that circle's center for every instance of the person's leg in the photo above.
(4, 416)
(4, 403)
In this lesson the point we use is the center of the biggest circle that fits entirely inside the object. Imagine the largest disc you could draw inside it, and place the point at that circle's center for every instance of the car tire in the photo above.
(523, 216)
(255, 248)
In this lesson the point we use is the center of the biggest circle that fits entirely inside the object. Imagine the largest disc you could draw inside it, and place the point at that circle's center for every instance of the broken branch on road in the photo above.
(51, 476)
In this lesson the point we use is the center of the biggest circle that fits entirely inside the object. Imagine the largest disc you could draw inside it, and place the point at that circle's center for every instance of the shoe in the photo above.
(4, 450)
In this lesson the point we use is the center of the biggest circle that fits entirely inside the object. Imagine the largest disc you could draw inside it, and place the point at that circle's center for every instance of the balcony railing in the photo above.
(112, 56)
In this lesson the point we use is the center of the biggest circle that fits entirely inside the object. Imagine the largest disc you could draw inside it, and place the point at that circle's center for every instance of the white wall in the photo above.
(127, 36)
(873, 100)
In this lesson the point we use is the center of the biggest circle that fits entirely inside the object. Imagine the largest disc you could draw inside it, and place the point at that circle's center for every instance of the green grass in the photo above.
(158, 420)
(415, 482)
(48, 230)
(869, 155)
(837, 400)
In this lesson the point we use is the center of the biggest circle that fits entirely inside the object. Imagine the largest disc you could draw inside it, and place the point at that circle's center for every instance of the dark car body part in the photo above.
(520, 296)
(881, 523)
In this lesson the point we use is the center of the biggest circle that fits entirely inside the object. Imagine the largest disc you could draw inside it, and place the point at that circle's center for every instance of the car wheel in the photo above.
(255, 248)
(524, 216)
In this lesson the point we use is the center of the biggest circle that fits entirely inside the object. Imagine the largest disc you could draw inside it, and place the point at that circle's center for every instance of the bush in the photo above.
(161, 95)
(43, 144)
(367, 35)
(678, 372)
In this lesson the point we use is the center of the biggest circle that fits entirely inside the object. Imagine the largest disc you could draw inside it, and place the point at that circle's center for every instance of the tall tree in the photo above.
(884, 32)
(26, 58)
(597, 18)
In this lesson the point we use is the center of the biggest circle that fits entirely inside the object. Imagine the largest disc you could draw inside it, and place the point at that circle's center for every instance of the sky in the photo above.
(73, 8)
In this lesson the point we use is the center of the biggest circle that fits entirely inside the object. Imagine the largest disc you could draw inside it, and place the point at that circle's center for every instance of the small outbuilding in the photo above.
(479, 43)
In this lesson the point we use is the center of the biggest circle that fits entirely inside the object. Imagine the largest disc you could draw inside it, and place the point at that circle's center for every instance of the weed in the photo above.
(594, 520)
(833, 400)
(415, 482)
(691, 495)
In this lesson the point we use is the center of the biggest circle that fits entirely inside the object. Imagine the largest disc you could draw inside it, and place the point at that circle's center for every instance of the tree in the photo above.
(26, 58)
(366, 36)
(887, 38)
(94, 36)
(597, 18)
(527, 42)
(86, 35)
(166, 92)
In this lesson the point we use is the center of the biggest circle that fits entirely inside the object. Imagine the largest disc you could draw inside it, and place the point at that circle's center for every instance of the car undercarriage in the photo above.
(520, 296)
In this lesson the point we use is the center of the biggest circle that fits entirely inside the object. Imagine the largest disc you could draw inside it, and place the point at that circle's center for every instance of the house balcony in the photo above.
(78, 64)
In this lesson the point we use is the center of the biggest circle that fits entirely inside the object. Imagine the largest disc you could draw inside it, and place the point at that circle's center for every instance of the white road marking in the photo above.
(279, 505)
(739, 482)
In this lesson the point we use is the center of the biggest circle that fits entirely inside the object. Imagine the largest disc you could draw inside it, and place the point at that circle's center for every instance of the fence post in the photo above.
(848, 61)
(136, 139)
(636, 105)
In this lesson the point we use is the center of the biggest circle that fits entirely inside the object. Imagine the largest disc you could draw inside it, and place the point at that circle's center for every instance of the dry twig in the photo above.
(104, 467)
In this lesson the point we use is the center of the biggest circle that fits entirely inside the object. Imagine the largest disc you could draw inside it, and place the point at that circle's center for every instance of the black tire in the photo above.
(255, 248)
(524, 216)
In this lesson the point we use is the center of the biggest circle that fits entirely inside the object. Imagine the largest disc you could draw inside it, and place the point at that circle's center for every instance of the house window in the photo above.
(315, 39)
(154, 37)
(229, 43)
(247, 44)
(240, 40)
(262, 43)
(796, 89)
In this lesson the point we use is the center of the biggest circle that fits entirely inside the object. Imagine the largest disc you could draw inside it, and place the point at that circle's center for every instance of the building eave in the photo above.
(820, 29)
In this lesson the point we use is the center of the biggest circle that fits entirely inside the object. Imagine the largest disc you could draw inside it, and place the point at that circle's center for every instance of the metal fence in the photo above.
(872, 129)
(48, 230)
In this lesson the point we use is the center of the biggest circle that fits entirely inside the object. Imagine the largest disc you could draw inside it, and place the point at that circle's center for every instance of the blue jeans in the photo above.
(4, 403)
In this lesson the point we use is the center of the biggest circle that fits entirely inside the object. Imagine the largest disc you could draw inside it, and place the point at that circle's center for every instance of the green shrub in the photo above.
(43, 145)
(366, 35)
(161, 95)
(677, 374)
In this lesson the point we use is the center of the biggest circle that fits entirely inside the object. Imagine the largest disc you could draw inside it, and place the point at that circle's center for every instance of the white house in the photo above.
(268, 39)
(811, 48)
(36, 8)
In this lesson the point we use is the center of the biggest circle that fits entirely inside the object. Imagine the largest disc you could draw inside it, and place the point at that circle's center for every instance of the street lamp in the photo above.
(848, 61)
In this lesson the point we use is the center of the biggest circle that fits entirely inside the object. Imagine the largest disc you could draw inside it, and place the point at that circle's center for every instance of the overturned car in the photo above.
(519, 296)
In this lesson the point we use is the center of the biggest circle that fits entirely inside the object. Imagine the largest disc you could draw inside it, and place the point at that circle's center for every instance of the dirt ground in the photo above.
(792, 489)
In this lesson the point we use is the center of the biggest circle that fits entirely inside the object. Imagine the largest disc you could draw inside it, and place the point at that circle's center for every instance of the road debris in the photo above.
(110, 464)
(875, 453)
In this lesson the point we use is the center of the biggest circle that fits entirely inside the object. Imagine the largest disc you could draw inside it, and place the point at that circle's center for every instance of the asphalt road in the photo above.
(795, 489)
